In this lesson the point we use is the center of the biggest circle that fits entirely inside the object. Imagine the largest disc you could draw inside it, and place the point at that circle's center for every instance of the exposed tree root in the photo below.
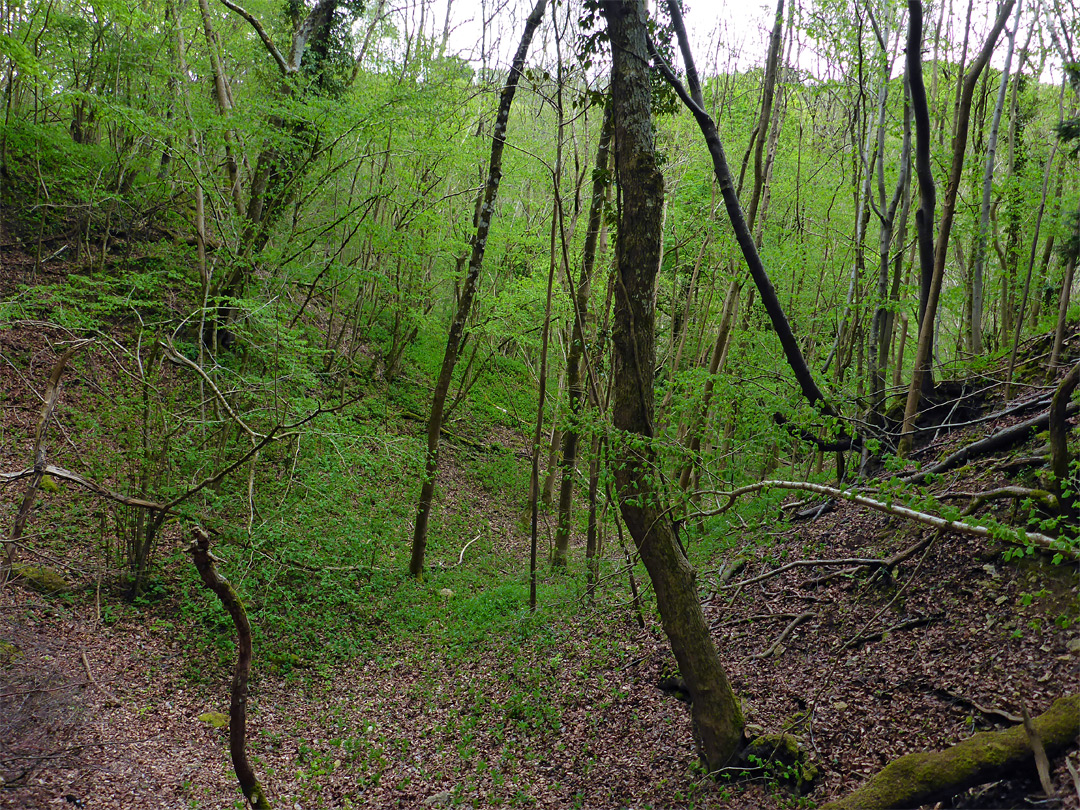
(1015, 536)
(925, 777)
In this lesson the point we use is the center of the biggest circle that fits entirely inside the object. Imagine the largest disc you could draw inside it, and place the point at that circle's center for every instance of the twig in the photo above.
(800, 619)
(110, 698)
(1042, 765)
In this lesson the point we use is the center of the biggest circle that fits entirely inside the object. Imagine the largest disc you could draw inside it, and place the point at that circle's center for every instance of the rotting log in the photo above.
(928, 776)
(245, 775)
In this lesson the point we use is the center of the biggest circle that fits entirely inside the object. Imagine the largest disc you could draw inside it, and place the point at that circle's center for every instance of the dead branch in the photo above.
(1040, 496)
(924, 777)
(178, 359)
(1001, 440)
(1042, 764)
(75, 478)
(866, 638)
(886, 565)
(800, 619)
(859, 561)
(1015, 536)
(985, 711)
(110, 698)
(204, 562)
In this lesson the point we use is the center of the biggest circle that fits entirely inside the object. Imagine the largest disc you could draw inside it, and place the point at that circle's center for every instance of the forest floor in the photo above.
(100, 704)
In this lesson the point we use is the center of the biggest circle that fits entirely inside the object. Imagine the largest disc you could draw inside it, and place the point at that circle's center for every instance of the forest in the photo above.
(539, 403)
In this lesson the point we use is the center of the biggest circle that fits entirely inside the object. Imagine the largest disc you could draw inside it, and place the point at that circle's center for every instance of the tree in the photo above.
(468, 292)
(921, 377)
(718, 721)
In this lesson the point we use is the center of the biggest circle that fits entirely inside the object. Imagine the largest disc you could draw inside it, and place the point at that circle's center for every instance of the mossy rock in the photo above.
(49, 485)
(9, 654)
(215, 719)
(781, 757)
(41, 579)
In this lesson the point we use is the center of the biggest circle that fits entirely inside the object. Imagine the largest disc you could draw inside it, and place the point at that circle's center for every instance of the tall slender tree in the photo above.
(468, 291)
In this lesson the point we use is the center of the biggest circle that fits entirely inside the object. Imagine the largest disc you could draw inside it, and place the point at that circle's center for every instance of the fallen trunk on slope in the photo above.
(1015, 536)
(1001, 440)
(928, 776)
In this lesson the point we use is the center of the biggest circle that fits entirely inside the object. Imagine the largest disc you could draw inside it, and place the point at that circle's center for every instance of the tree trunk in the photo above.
(718, 722)
(461, 317)
(925, 349)
(978, 259)
(695, 103)
(1059, 440)
(1072, 249)
(575, 385)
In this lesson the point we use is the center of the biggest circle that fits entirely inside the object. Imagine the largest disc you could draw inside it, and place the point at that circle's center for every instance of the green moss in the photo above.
(41, 579)
(9, 654)
(779, 756)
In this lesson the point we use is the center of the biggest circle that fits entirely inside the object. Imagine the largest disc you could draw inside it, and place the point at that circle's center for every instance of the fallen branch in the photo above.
(204, 562)
(75, 478)
(886, 565)
(865, 638)
(985, 711)
(1042, 764)
(110, 698)
(1008, 437)
(925, 777)
(800, 619)
(1015, 536)
(1040, 496)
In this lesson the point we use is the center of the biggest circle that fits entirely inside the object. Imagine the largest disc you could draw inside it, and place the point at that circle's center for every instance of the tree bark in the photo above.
(922, 378)
(461, 317)
(717, 718)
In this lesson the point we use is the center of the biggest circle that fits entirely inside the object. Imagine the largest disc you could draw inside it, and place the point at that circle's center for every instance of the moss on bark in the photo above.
(925, 777)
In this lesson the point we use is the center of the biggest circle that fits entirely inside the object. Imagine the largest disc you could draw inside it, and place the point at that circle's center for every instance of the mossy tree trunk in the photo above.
(927, 776)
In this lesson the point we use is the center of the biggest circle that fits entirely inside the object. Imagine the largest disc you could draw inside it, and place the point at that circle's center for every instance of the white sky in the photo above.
(741, 27)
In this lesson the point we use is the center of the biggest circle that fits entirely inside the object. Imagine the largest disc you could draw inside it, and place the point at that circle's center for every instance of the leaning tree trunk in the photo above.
(574, 384)
(718, 721)
(695, 102)
(468, 292)
(925, 349)
(1072, 251)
